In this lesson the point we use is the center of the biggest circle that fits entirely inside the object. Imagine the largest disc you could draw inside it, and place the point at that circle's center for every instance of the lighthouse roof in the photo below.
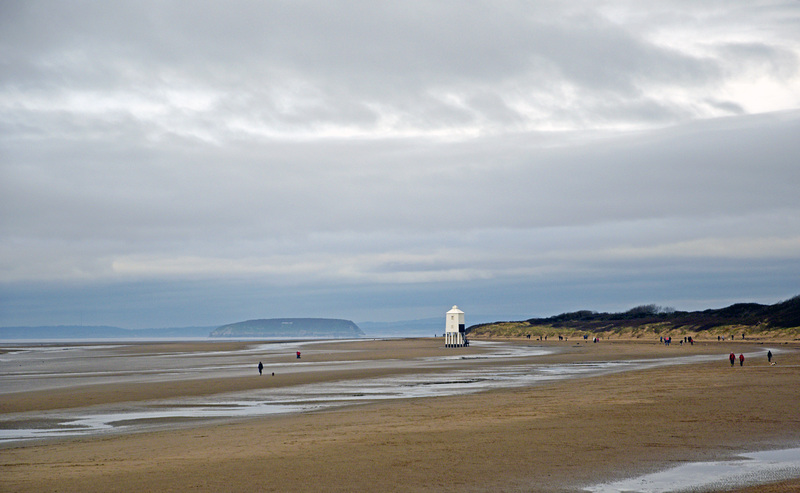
(455, 309)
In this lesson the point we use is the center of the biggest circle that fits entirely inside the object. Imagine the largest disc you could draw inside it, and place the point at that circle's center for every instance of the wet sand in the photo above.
(553, 436)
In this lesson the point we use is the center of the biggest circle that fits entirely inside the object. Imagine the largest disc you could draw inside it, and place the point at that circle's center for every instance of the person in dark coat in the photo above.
(732, 357)
(260, 367)
(769, 356)
(741, 360)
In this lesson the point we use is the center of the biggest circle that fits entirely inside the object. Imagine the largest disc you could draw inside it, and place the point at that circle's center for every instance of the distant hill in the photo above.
(291, 327)
(55, 332)
(735, 319)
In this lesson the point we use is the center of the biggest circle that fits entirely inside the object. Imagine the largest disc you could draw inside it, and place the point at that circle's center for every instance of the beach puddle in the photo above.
(746, 469)
(142, 419)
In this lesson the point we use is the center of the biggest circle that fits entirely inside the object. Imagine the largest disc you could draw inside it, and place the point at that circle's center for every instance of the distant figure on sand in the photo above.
(260, 368)
(732, 357)
(298, 354)
(741, 360)
(769, 356)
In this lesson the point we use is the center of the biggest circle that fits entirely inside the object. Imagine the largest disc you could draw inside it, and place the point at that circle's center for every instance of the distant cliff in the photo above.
(291, 327)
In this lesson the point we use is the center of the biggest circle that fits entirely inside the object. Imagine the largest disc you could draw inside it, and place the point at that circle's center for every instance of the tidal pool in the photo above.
(746, 469)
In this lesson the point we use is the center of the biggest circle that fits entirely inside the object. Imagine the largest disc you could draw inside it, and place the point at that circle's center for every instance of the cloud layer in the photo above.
(294, 146)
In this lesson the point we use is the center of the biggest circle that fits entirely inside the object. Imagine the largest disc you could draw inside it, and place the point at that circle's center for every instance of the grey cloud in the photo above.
(760, 58)
(377, 146)
(330, 60)
(726, 106)
(262, 189)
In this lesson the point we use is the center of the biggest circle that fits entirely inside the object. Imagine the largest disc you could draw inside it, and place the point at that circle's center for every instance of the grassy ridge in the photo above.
(755, 321)
(522, 329)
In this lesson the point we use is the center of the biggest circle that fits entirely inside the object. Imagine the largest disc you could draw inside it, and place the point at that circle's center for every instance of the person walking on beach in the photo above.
(741, 360)
(769, 356)
(732, 357)
(260, 367)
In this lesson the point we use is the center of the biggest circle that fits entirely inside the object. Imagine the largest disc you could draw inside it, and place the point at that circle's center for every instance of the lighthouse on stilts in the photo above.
(454, 332)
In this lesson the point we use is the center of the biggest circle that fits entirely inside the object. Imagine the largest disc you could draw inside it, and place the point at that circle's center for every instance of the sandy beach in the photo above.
(557, 435)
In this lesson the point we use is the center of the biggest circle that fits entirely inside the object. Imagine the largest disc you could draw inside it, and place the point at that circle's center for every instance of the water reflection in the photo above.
(463, 377)
(750, 469)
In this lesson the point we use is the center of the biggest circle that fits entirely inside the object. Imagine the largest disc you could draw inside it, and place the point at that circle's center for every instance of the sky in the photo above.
(170, 163)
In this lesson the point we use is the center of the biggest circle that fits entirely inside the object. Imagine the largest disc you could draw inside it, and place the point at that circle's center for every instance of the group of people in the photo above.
(732, 358)
(722, 338)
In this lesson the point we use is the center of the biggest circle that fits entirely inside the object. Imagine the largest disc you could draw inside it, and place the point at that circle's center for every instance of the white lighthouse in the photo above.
(454, 328)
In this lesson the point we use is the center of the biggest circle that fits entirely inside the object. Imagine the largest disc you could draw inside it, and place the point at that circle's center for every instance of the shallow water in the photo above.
(40, 368)
(747, 469)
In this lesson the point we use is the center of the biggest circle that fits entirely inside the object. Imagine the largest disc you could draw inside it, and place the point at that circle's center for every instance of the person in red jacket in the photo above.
(732, 357)
(741, 360)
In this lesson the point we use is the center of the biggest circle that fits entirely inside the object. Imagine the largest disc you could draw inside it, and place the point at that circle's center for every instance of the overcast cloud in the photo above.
(173, 163)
